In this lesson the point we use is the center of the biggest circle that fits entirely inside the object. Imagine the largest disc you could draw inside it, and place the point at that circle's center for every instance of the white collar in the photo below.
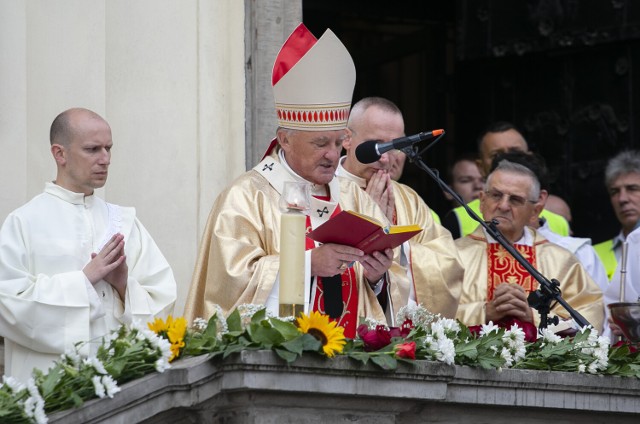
(316, 189)
(341, 171)
(68, 195)
(526, 239)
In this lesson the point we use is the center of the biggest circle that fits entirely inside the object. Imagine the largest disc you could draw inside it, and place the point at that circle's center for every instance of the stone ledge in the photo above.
(257, 387)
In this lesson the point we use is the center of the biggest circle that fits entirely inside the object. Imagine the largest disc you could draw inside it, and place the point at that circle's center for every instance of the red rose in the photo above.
(374, 339)
(406, 350)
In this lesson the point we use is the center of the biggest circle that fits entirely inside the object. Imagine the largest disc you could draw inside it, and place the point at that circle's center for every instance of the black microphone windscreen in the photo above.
(366, 152)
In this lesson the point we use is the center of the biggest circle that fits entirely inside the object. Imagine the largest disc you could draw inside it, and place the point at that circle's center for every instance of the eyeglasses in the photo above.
(513, 200)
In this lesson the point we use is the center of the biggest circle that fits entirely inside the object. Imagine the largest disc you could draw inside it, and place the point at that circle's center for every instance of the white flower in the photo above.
(248, 310)
(12, 383)
(95, 364)
(165, 348)
(418, 314)
(550, 336)
(222, 322)
(514, 341)
(110, 385)
(488, 328)
(373, 323)
(582, 368)
(438, 329)
(162, 364)
(446, 351)
(29, 407)
(593, 367)
(200, 324)
(450, 325)
(71, 357)
(34, 405)
(97, 386)
(506, 355)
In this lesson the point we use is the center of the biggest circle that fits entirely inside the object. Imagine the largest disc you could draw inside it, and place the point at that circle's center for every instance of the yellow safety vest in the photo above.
(435, 216)
(557, 223)
(607, 256)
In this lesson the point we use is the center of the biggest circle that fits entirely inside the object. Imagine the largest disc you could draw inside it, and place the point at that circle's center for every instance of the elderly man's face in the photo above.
(313, 155)
(507, 199)
(625, 199)
(501, 142)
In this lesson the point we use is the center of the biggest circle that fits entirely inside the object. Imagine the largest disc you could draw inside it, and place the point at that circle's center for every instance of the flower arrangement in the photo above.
(131, 352)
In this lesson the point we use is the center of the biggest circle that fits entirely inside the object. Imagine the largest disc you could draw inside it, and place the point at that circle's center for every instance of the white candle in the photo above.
(292, 246)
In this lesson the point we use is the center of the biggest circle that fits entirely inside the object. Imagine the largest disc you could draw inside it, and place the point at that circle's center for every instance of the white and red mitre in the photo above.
(313, 82)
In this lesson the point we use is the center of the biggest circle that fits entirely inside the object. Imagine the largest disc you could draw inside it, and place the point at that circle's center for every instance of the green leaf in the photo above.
(51, 380)
(489, 362)
(259, 316)
(288, 330)
(296, 345)
(386, 362)
(359, 356)
(468, 349)
(286, 355)
(212, 327)
(310, 343)
(234, 322)
(264, 336)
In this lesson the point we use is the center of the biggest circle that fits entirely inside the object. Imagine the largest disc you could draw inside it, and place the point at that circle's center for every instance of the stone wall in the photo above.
(258, 387)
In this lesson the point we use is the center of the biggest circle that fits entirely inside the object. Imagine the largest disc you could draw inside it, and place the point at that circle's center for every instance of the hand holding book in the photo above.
(363, 232)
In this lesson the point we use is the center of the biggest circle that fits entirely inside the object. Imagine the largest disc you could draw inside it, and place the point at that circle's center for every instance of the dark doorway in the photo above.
(562, 71)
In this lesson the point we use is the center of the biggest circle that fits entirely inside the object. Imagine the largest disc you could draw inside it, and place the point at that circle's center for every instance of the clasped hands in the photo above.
(109, 265)
(331, 259)
(379, 188)
(509, 299)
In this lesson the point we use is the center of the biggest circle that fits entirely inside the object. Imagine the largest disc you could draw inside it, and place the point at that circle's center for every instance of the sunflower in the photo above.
(159, 327)
(329, 333)
(174, 331)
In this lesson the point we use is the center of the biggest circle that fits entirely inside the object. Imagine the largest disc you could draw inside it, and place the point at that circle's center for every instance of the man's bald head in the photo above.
(62, 127)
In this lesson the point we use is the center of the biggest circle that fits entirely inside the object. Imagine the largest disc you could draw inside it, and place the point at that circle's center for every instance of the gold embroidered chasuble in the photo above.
(578, 288)
(429, 265)
(433, 260)
(238, 260)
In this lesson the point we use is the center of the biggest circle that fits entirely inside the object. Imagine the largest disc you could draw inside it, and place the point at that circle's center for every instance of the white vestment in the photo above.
(46, 302)
(631, 278)
(583, 251)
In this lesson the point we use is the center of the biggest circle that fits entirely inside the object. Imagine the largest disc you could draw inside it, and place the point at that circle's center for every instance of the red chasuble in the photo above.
(349, 317)
(503, 268)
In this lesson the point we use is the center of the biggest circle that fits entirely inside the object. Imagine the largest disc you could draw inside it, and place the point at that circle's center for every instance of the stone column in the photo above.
(267, 24)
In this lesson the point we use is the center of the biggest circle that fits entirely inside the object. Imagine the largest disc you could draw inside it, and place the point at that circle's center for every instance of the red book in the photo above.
(353, 229)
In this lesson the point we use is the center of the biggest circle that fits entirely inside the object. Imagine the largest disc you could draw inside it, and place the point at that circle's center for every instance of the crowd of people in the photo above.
(74, 267)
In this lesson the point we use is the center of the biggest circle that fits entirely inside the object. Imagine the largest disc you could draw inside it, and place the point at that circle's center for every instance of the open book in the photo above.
(363, 232)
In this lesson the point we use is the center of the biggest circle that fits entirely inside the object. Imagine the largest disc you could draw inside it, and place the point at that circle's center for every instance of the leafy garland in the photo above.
(131, 352)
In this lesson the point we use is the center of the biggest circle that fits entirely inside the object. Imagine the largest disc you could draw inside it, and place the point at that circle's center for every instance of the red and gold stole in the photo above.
(503, 268)
(349, 317)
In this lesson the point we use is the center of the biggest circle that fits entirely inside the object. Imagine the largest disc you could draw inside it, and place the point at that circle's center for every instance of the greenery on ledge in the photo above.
(131, 352)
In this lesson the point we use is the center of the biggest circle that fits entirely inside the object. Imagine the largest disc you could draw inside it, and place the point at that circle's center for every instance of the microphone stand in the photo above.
(547, 292)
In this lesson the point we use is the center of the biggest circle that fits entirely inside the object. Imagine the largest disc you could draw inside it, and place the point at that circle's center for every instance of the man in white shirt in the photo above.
(72, 266)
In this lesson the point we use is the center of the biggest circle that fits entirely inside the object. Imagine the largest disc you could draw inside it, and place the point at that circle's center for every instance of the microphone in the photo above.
(371, 150)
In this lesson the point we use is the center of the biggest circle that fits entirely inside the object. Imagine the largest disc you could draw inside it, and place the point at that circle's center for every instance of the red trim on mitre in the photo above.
(297, 45)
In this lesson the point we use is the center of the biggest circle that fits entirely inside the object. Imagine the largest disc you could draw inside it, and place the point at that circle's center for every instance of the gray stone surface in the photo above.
(267, 26)
(258, 387)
